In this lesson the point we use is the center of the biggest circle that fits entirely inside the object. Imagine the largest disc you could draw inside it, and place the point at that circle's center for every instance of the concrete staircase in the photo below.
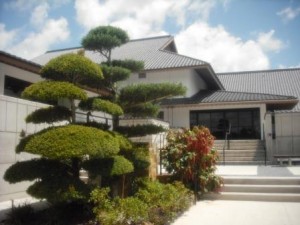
(241, 152)
(276, 189)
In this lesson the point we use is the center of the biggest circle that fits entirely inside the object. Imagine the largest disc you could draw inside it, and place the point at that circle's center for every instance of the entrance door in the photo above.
(244, 123)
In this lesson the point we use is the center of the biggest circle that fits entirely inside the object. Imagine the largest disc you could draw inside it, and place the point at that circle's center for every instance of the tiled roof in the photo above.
(206, 96)
(150, 50)
(278, 82)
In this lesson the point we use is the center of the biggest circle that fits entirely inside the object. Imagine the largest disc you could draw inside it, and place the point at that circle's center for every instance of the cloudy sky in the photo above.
(232, 35)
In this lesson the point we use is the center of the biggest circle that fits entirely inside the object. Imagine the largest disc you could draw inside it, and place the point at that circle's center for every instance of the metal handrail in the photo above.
(225, 141)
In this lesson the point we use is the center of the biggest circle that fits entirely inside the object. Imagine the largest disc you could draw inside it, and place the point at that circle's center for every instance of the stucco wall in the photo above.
(180, 116)
(187, 77)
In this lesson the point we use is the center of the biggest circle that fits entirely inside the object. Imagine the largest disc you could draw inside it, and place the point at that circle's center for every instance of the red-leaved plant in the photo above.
(190, 158)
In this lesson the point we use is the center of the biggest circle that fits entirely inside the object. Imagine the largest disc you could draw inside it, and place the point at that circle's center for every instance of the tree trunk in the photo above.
(73, 110)
(75, 167)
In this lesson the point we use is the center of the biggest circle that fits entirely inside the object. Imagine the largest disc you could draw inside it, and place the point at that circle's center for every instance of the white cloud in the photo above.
(224, 51)
(39, 14)
(269, 43)
(6, 36)
(140, 18)
(289, 14)
(34, 44)
(30, 44)
(23, 5)
(281, 66)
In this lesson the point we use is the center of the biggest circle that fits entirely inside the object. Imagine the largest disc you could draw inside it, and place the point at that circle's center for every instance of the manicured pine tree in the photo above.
(140, 100)
(65, 149)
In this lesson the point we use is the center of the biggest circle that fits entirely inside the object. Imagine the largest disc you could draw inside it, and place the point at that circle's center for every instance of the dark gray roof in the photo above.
(278, 82)
(206, 96)
(153, 51)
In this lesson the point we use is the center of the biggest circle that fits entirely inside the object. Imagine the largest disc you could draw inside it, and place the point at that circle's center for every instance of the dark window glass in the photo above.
(204, 119)
(243, 123)
(14, 87)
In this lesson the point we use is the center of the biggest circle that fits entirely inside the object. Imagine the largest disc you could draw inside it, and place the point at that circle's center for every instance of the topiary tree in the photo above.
(104, 39)
(64, 149)
(138, 100)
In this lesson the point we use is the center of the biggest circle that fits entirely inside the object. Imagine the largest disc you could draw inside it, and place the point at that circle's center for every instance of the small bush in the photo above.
(117, 211)
(154, 202)
(20, 215)
(66, 213)
(165, 201)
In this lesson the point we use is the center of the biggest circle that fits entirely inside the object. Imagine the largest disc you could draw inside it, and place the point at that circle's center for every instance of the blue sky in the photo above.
(232, 35)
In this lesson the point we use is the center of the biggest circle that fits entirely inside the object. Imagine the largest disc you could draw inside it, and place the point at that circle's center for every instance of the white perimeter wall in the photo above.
(187, 77)
(287, 130)
(179, 117)
(12, 121)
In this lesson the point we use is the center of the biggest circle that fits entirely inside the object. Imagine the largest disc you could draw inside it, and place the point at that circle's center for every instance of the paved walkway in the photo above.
(222, 212)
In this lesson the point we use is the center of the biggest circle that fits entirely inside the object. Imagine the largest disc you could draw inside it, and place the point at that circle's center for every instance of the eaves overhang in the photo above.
(18, 62)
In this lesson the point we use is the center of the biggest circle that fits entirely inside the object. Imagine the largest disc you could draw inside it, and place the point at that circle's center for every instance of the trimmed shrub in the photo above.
(72, 141)
(107, 167)
(53, 91)
(49, 115)
(140, 130)
(97, 104)
(73, 68)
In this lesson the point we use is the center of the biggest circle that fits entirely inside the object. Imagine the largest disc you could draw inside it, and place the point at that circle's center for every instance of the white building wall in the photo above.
(179, 117)
(187, 77)
(8, 70)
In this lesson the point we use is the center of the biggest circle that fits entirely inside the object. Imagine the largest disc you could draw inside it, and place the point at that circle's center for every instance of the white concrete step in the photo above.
(248, 196)
(241, 163)
(261, 188)
(261, 180)
(242, 153)
(246, 188)
(242, 158)
(240, 148)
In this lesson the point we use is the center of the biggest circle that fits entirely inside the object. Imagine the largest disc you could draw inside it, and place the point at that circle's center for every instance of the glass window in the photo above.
(14, 87)
(204, 119)
(245, 123)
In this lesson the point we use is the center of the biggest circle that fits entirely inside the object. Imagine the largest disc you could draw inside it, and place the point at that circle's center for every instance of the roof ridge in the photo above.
(175, 53)
(63, 49)
(256, 71)
(254, 93)
(132, 40)
(149, 38)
